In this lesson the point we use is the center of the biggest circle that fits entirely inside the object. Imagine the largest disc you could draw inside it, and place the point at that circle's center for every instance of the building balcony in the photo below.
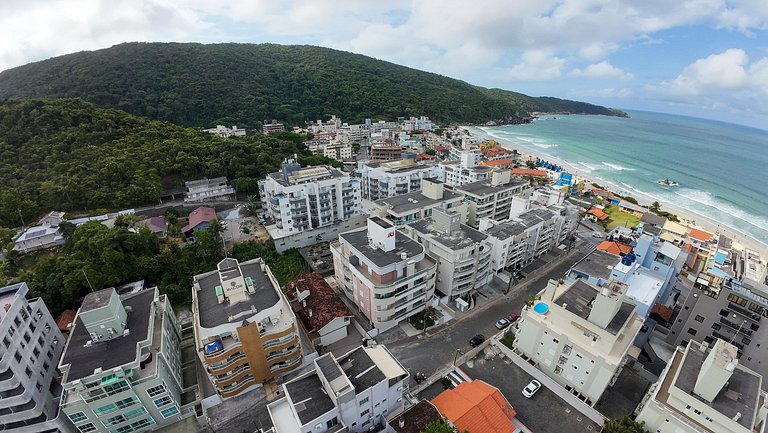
(744, 312)
(232, 376)
(223, 365)
(286, 365)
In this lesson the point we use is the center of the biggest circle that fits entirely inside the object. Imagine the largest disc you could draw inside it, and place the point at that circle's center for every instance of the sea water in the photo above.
(722, 168)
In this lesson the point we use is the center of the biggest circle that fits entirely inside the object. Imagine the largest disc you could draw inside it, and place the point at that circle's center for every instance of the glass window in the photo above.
(699, 318)
(114, 420)
(78, 417)
(134, 413)
(156, 390)
(691, 331)
(165, 401)
(173, 410)
(88, 427)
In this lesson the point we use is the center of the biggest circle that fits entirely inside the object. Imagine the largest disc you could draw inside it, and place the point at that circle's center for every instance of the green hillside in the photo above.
(66, 154)
(243, 84)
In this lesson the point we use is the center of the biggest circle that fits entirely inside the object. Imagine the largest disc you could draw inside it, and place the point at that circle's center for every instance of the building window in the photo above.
(134, 413)
(699, 318)
(165, 401)
(78, 417)
(17, 356)
(746, 340)
(156, 390)
(716, 326)
(365, 412)
(364, 401)
(331, 423)
(114, 420)
(692, 331)
(171, 411)
(736, 299)
(85, 428)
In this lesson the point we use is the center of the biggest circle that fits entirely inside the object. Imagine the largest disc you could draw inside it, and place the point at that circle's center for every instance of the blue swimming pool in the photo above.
(541, 308)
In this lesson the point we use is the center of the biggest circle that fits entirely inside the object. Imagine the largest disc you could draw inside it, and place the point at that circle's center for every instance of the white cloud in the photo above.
(537, 65)
(725, 70)
(609, 93)
(602, 70)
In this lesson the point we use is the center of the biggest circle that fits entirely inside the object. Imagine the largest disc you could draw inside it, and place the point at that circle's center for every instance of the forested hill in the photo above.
(66, 154)
(243, 84)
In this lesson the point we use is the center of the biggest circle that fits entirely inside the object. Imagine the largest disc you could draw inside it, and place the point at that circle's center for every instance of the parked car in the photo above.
(531, 388)
(502, 323)
(476, 340)
(513, 317)
(597, 235)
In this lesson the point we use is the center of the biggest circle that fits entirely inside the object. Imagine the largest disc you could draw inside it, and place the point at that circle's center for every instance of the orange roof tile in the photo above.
(598, 213)
(528, 172)
(700, 234)
(499, 162)
(615, 248)
(476, 407)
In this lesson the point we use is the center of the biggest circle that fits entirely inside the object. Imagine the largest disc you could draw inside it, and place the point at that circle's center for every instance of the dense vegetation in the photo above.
(203, 85)
(69, 155)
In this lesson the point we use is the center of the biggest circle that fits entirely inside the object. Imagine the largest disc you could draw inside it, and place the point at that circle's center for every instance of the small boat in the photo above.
(667, 182)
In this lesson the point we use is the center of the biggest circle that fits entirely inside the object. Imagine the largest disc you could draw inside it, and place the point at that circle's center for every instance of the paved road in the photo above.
(437, 349)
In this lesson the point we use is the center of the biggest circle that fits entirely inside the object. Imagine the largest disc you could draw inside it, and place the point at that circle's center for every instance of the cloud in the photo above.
(602, 70)
(609, 93)
(537, 65)
(723, 71)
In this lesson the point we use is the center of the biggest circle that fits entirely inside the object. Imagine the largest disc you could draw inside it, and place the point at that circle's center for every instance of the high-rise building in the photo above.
(122, 363)
(492, 198)
(405, 208)
(31, 347)
(388, 179)
(245, 330)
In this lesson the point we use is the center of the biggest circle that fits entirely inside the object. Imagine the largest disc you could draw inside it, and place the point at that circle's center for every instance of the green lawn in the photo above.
(507, 340)
(619, 218)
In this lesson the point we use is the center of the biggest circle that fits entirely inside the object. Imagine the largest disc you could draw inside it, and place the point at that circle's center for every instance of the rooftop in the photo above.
(597, 264)
(653, 219)
(306, 174)
(214, 314)
(360, 369)
(322, 302)
(464, 237)
(416, 418)
(528, 172)
(83, 357)
(198, 216)
(36, 232)
(309, 398)
(358, 239)
(506, 230)
(484, 187)
(700, 235)
(476, 407)
(413, 200)
(66, 318)
(615, 248)
(579, 297)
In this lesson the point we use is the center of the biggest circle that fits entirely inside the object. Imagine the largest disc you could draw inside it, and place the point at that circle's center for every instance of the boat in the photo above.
(667, 182)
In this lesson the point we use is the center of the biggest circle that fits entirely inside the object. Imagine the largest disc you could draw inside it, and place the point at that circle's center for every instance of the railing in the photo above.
(229, 361)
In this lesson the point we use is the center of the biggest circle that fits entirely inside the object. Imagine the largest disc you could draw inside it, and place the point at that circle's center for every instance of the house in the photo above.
(615, 248)
(499, 163)
(595, 214)
(416, 418)
(208, 189)
(157, 225)
(53, 218)
(529, 172)
(478, 407)
(38, 238)
(651, 224)
(200, 219)
(631, 208)
(323, 314)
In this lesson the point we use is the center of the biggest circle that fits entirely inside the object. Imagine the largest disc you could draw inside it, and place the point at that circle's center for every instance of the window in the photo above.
(109, 408)
(78, 417)
(699, 318)
(364, 401)
(116, 387)
(716, 326)
(692, 331)
(736, 299)
(156, 390)
(28, 372)
(365, 412)
(17, 356)
(746, 340)
(114, 420)
(6, 342)
(134, 413)
(724, 313)
(85, 428)
(331, 422)
(754, 326)
(171, 411)
(164, 401)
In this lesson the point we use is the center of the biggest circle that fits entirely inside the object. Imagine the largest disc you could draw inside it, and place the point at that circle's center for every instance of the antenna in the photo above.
(89, 281)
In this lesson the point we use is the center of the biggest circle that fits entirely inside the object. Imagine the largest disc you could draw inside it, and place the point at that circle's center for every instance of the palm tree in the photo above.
(655, 207)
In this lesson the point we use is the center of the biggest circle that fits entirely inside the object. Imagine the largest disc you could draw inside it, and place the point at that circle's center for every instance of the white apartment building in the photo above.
(463, 254)
(224, 132)
(579, 335)
(122, 364)
(208, 189)
(337, 150)
(353, 134)
(309, 205)
(402, 209)
(355, 393)
(491, 198)
(385, 273)
(31, 347)
(331, 126)
(388, 179)
(418, 123)
(705, 390)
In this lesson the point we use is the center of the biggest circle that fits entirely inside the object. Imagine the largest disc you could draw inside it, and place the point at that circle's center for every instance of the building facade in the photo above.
(386, 274)
(31, 347)
(122, 364)
(208, 189)
(579, 335)
(388, 179)
(416, 205)
(491, 198)
(245, 330)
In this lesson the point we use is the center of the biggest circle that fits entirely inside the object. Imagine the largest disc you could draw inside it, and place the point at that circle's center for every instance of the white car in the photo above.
(531, 388)
(597, 235)
(502, 323)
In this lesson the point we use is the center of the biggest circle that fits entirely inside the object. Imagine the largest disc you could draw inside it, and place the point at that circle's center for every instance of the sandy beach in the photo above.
(686, 216)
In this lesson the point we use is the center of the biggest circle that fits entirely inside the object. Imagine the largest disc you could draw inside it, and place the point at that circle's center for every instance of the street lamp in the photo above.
(456, 355)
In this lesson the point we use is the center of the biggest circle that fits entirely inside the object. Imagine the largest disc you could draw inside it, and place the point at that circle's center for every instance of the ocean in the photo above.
(721, 168)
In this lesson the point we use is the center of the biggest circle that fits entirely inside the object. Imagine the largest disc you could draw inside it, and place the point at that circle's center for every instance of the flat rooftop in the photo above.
(578, 299)
(597, 264)
(507, 230)
(214, 314)
(738, 396)
(118, 351)
(307, 174)
(413, 200)
(358, 239)
(484, 187)
(463, 237)
(309, 397)
(360, 369)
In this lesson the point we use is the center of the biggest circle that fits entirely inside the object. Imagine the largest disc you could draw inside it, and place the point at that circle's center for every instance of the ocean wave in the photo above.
(544, 145)
(617, 167)
(587, 166)
(708, 199)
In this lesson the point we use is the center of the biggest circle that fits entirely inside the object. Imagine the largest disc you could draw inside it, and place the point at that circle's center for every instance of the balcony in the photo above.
(220, 365)
(744, 312)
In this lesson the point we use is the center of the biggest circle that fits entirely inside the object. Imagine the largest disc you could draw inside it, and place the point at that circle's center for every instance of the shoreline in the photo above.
(691, 219)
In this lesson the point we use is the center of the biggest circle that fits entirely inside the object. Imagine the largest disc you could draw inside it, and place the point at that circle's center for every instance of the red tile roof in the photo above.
(598, 213)
(503, 162)
(700, 234)
(156, 224)
(65, 318)
(425, 156)
(528, 172)
(476, 407)
(495, 151)
(198, 216)
(615, 248)
(322, 301)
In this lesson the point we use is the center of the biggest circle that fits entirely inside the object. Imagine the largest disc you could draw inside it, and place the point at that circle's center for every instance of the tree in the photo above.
(440, 426)
(655, 207)
(625, 425)
(430, 152)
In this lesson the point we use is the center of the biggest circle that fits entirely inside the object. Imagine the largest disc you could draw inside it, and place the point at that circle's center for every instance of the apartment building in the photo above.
(705, 390)
(122, 364)
(385, 273)
(224, 132)
(272, 127)
(402, 209)
(331, 126)
(337, 150)
(208, 189)
(418, 123)
(463, 254)
(385, 150)
(454, 174)
(579, 335)
(355, 393)
(388, 179)
(718, 307)
(309, 205)
(245, 330)
(32, 344)
(491, 198)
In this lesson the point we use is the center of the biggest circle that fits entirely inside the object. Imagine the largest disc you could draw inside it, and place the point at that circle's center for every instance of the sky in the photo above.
(703, 58)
